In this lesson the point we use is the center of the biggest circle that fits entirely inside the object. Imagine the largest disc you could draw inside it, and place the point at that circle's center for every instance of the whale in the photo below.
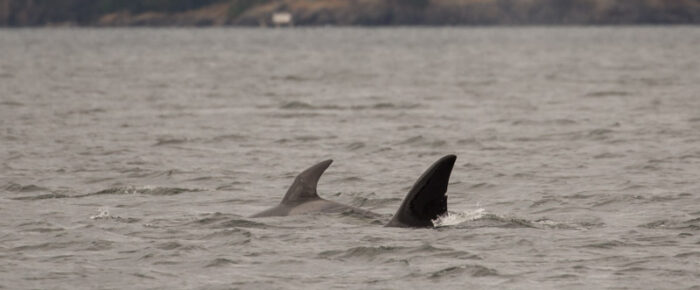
(424, 202)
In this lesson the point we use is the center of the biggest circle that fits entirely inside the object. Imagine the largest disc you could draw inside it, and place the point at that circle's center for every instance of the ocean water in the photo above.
(131, 158)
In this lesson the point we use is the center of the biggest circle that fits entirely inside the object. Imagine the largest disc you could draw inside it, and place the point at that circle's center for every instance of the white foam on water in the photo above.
(103, 213)
(455, 218)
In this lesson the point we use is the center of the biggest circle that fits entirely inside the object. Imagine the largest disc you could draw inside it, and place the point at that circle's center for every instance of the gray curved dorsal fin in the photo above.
(304, 186)
(426, 200)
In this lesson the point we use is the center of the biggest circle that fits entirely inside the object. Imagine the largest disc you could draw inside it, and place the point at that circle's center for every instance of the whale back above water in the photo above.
(302, 196)
(426, 201)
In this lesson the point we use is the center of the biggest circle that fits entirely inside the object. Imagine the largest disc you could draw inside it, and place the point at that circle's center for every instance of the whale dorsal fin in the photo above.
(304, 186)
(426, 200)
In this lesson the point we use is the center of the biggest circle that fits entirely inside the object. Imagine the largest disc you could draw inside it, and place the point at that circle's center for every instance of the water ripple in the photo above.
(458, 271)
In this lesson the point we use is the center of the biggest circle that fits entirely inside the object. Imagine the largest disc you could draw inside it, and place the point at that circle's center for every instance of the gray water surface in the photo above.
(131, 158)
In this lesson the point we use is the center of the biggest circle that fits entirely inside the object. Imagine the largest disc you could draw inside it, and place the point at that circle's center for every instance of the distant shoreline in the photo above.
(415, 26)
(208, 13)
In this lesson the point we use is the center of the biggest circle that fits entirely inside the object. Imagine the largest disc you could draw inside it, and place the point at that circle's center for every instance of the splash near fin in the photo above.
(427, 198)
(304, 186)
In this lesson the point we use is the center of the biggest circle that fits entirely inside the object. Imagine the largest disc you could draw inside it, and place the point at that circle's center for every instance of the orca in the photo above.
(425, 202)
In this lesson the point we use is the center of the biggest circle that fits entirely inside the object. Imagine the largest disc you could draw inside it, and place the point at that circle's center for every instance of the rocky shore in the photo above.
(350, 12)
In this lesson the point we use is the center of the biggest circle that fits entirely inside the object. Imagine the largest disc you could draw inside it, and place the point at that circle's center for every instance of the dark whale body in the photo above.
(426, 201)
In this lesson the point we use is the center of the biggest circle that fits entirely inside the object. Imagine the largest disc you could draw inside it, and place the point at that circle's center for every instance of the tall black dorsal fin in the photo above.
(426, 200)
(304, 186)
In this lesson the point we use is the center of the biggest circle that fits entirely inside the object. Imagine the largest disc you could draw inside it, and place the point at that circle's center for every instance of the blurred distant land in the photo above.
(345, 12)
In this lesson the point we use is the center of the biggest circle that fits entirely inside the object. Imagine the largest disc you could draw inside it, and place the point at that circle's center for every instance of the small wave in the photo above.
(14, 187)
(364, 202)
(11, 104)
(493, 220)
(146, 190)
(220, 262)
(599, 134)
(626, 198)
(455, 218)
(692, 224)
(305, 138)
(139, 172)
(608, 155)
(590, 224)
(386, 106)
(547, 201)
(43, 246)
(665, 198)
(531, 122)
(607, 245)
(39, 226)
(296, 105)
(563, 277)
(219, 220)
(296, 115)
(349, 179)
(240, 223)
(482, 185)
(103, 214)
(458, 271)
(293, 78)
(299, 105)
(169, 141)
(45, 230)
(86, 111)
(99, 245)
(42, 196)
(422, 141)
(233, 236)
(390, 253)
(231, 137)
(355, 146)
(413, 140)
(173, 245)
(688, 255)
(365, 253)
(445, 252)
(607, 94)
(547, 223)
(479, 218)
(212, 218)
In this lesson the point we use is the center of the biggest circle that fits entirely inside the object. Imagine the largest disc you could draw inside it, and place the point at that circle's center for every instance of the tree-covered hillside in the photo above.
(347, 12)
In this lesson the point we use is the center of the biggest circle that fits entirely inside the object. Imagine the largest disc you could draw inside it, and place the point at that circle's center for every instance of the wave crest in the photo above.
(455, 218)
